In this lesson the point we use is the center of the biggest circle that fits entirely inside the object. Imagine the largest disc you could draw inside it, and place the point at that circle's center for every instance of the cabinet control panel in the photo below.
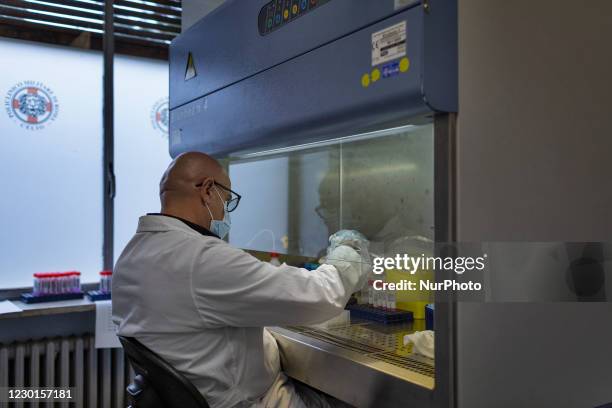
(277, 13)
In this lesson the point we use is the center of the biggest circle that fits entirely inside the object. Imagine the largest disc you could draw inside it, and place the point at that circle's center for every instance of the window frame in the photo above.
(107, 43)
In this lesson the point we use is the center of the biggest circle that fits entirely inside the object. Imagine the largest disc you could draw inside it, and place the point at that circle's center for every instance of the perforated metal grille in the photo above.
(339, 341)
(409, 363)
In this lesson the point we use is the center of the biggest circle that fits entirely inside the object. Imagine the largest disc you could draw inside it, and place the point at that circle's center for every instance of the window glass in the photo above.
(263, 184)
(50, 161)
(282, 209)
(387, 188)
(141, 141)
(381, 185)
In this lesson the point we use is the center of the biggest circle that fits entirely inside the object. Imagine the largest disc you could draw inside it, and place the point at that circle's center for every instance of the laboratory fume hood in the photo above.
(332, 114)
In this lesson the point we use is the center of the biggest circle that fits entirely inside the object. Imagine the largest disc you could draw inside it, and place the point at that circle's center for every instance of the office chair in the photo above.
(156, 383)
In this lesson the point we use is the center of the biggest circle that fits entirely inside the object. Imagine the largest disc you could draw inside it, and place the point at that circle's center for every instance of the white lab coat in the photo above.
(202, 305)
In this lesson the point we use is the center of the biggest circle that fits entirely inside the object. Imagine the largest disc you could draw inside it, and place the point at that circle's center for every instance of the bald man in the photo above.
(202, 305)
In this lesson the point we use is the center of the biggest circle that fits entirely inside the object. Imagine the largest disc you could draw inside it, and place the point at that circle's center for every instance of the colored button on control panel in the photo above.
(375, 75)
(365, 80)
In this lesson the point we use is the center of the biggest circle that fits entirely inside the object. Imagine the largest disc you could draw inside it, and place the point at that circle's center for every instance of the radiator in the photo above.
(99, 376)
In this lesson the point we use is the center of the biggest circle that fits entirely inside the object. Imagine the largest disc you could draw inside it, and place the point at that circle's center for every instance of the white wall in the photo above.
(534, 145)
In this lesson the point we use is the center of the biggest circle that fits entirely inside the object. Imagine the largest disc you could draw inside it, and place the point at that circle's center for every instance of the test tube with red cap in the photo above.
(48, 283)
(106, 280)
(76, 283)
(37, 287)
(57, 283)
(53, 283)
(63, 282)
(47, 280)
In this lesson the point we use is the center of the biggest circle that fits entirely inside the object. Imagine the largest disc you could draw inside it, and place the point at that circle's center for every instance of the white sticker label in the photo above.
(402, 3)
(389, 44)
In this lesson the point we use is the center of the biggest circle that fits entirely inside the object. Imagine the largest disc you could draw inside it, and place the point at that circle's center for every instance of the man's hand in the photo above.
(351, 238)
(348, 252)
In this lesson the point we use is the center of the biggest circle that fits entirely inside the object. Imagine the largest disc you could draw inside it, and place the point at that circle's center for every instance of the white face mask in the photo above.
(220, 227)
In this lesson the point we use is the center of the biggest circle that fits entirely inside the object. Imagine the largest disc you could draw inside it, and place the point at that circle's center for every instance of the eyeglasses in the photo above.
(234, 199)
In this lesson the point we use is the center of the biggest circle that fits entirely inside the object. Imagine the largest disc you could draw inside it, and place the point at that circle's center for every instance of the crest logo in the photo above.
(160, 116)
(31, 104)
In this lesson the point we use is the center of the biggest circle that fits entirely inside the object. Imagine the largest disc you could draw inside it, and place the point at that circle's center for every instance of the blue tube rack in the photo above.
(31, 298)
(94, 295)
(379, 315)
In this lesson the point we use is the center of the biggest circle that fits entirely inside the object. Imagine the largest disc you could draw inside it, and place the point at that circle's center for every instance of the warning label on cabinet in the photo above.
(389, 44)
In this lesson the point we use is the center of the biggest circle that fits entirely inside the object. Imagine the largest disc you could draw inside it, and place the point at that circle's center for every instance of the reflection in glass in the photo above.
(387, 188)
(381, 186)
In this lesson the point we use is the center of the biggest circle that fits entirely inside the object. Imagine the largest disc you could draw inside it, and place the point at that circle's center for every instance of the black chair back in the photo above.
(157, 384)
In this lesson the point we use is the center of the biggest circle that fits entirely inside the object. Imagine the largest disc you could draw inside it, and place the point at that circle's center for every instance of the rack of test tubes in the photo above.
(50, 286)
(378, 305)
(104, 289)
(385, 316)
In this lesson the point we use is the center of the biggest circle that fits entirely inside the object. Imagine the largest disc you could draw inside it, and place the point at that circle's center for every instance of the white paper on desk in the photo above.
(106, 330)
(8, 307)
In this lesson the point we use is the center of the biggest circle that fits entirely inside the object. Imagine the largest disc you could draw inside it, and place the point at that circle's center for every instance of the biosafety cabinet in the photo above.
(332, 114)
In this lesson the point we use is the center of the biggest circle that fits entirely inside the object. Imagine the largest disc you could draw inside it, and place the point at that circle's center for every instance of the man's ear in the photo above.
(206, 189)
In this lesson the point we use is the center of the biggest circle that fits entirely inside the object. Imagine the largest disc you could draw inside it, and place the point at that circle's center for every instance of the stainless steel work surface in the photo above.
(50, 308)
(362, 363)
